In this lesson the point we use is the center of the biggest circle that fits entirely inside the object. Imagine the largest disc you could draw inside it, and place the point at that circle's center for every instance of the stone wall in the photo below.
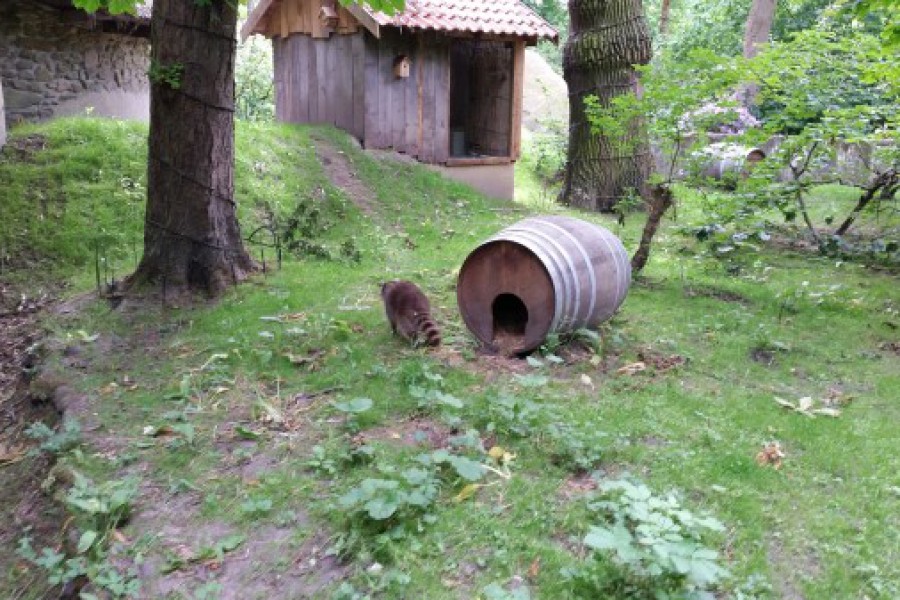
(50, 67)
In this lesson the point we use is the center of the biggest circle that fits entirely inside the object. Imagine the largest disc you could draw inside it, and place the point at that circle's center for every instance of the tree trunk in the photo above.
(191, 235)
(759, 26)
(664, 19)
(756, 32)
(607, 38)
(659, 202)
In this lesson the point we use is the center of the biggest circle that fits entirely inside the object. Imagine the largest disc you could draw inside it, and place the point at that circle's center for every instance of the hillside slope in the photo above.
(281, 443)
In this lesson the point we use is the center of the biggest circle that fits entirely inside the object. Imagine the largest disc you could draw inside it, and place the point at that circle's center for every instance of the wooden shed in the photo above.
(441, 81)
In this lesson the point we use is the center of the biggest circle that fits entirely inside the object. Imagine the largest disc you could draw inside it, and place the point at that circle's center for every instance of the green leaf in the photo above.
(448, 400)
(87, 540)
(247, 434)
(231, 542)
(358, 405)
(617, 538)
(468, 469)
(532, 380)
(382, 508)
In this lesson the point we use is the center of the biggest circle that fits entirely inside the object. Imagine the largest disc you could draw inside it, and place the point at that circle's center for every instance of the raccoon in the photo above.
(409, 313)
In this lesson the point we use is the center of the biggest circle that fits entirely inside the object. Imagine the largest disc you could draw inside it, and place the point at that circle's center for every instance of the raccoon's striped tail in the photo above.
(428, 332)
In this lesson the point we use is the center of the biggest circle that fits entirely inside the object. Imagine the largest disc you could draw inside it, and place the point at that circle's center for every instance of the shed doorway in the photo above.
(481, 99)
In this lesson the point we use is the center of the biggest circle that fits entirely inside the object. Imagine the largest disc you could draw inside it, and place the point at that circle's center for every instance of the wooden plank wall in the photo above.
(410, 115)
(286, 17)
(348, 81)
(321, 81)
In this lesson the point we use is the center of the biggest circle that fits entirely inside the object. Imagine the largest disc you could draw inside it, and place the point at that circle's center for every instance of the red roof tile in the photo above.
(501, 17)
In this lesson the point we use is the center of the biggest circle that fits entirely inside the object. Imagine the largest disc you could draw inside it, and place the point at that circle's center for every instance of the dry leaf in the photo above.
(496, 452)
(11, 454)
(587, 381)
(119, 536)
(466, 493)
(771, 454)
(828, 412)
(785, 403)
(804, 404)
(632, 368)
(534, 569)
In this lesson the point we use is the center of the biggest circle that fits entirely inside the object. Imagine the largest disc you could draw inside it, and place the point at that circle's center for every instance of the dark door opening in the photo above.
(510, 319)
(481, 97)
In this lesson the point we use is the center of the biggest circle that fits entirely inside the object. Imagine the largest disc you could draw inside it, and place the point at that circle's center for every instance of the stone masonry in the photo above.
(50, 67)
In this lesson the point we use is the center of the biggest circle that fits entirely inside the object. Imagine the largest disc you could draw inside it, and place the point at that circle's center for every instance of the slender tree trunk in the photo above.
(756, 32)
(664, 18)
(191, 235)
(759, 26)
(607, 38)
(886, 183)
(660, 200)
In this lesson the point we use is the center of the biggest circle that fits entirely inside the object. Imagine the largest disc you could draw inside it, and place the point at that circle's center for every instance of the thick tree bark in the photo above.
(607, 38)
(191, 235)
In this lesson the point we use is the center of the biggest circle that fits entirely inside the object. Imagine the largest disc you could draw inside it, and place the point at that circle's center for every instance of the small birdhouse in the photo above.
(328, 16)
(401, 66)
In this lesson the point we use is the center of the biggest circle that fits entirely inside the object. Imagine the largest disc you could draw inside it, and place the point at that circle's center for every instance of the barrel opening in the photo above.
(510, 319)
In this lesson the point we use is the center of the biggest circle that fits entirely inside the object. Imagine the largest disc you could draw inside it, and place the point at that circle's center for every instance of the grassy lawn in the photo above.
(253, 427)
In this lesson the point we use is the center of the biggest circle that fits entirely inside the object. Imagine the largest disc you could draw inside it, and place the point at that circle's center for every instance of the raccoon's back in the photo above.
(409, 312)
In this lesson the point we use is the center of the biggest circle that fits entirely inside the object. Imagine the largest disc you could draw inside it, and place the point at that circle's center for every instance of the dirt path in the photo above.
(342, 174)
(23, 506)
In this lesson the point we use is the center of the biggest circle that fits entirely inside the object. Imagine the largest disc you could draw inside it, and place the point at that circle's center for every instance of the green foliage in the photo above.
(97, 509)
(56, 442)
(816, 93)
(167, 75)
(254, 93)
(656, 542)
(556, 13)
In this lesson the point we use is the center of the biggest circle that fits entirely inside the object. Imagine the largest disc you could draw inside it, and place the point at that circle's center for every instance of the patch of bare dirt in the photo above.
(273, 562)
(788, 567)
(763, 356)
(892, 347)
(718, 294)
(659, 361)
(492, 366)
(577, 486)
(24, 508)
(23, 149)
(342, 174)
(418, 431)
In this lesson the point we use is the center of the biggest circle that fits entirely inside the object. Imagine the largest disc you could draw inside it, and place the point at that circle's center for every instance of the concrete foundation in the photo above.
(496, 181)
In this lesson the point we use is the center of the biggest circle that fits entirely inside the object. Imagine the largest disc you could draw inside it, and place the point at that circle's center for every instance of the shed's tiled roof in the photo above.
(501, 17)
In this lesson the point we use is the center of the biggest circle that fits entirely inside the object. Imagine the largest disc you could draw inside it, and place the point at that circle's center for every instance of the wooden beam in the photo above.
(518, 87)
(253, 19)
(366, 18)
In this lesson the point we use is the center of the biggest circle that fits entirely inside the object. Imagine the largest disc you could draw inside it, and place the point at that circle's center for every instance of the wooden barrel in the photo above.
(541, 275)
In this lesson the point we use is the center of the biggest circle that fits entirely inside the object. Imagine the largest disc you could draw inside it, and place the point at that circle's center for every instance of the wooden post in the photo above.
(518, 86)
